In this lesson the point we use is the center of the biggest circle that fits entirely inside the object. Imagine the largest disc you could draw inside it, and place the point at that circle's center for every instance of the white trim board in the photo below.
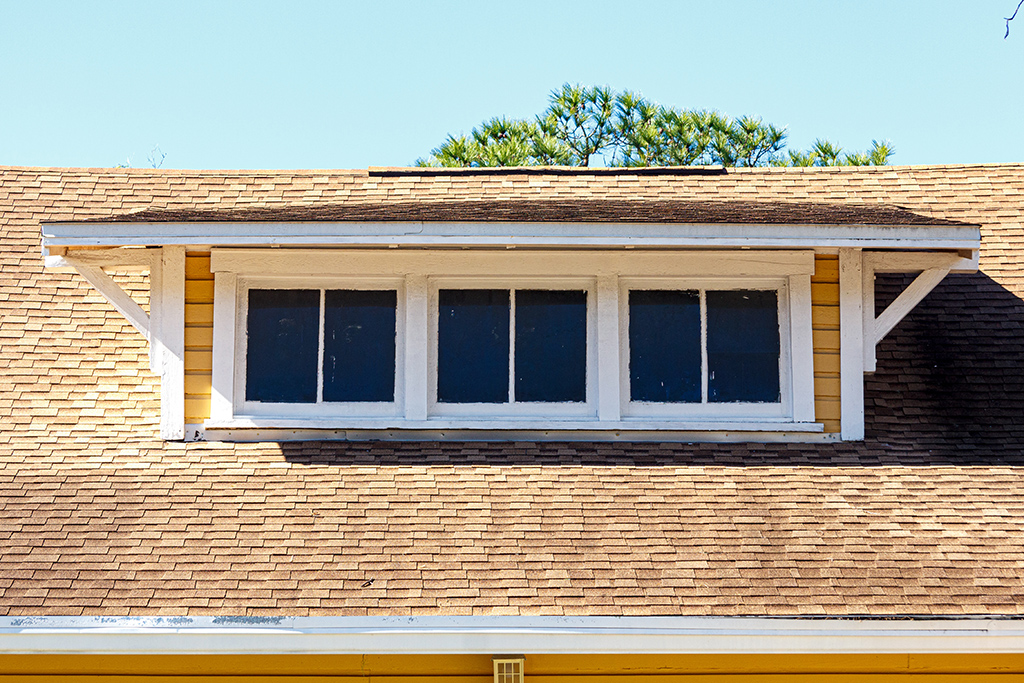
(489, 635)
(555, 233)
(717, 435)
(606, 276)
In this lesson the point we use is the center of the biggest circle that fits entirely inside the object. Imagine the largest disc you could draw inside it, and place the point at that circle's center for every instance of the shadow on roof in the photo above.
(949, 391)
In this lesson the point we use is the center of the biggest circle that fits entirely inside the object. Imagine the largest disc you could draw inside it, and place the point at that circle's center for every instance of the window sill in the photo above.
(286, 429)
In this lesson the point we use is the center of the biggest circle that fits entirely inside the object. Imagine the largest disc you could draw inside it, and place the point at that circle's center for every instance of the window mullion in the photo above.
(512, 346)
(320, 352)
(704, 372)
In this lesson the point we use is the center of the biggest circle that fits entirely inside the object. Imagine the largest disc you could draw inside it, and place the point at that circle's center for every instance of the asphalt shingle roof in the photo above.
(99, 516)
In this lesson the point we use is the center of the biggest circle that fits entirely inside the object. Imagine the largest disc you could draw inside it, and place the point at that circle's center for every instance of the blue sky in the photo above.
(349, 85)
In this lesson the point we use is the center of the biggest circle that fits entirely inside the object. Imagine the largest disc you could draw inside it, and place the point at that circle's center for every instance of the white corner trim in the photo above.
(610, 340)
(225, 299)
(851, 344)
(416, 347)
(801, 347)
(113, 293)
(490, 635)
(170, 331)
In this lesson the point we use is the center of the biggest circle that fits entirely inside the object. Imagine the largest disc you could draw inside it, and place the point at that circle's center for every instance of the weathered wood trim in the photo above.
(515, 263)
(610, 343)
(851, 348)
(123, 259)
(223, 373)
(494, 635)
(170, 332)
(801, 348)
(521, 233)
(417, 347)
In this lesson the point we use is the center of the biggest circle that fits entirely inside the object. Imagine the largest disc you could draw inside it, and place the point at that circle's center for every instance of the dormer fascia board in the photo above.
(563, 234)
(115, 635)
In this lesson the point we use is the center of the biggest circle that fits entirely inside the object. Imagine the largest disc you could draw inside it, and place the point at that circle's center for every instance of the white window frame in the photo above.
(320, 408)
(606, 275)
(705, 409)
(532, 409)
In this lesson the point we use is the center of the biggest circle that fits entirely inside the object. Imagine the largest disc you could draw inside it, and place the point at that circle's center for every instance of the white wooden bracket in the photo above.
(860, 329)
(932, 266)
(163, 327)
(113, 293)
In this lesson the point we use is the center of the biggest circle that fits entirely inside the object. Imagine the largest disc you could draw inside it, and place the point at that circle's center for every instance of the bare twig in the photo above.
(1011, 18)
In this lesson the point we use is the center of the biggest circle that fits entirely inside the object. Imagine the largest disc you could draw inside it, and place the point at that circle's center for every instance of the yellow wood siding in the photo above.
(540, 668)
(198, 336)
(825, 323)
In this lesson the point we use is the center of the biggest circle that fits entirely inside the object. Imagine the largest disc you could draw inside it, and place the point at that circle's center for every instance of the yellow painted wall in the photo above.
(540, 668)
(198, 336)
(825, 324)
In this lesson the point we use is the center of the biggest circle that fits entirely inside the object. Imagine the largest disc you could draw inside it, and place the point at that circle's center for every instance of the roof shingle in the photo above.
(101, 517)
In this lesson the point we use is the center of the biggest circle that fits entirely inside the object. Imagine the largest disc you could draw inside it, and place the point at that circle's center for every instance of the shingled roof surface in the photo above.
(552, 210)
(99, 516)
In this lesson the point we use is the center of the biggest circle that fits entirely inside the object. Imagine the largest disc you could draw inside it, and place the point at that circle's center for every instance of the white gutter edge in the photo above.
(489, 635)
(509, 232)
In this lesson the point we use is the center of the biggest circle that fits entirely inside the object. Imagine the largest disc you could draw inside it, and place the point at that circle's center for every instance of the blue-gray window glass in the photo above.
(359, 345)
(551, 345)
(282, 346)
(664, 346)
(473, 346)
(743, 346)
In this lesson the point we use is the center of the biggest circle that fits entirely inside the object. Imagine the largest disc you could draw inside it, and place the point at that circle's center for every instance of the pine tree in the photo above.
(582, 125)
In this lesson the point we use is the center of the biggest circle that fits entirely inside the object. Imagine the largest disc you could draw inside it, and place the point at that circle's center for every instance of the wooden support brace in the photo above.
(906, 301)
(164, 327)
(933, 267)
(113, 293)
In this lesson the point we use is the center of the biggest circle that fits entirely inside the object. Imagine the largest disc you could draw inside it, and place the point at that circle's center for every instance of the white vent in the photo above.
(509, 669)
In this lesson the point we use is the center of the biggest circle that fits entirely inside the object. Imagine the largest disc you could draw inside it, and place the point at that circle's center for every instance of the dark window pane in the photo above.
(664, 346)
(281, 355)
(472, 346)
(359, 345)
(743, 346)
(551, 345)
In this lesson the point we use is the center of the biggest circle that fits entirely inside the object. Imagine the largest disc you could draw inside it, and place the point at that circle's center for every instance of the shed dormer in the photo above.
(568, 318)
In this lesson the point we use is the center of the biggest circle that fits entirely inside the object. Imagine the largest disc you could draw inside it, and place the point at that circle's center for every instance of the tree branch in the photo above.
(1011, 18)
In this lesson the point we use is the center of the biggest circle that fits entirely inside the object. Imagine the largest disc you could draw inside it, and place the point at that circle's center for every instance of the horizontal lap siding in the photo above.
(825, 324)
(540, 668)
(198, 336)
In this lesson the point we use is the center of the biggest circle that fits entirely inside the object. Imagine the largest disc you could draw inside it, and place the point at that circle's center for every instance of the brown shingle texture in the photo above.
(101, 517)
(546, 211)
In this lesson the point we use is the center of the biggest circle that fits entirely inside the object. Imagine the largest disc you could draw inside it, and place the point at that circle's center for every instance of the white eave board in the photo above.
(489, 635)
(72, 234)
